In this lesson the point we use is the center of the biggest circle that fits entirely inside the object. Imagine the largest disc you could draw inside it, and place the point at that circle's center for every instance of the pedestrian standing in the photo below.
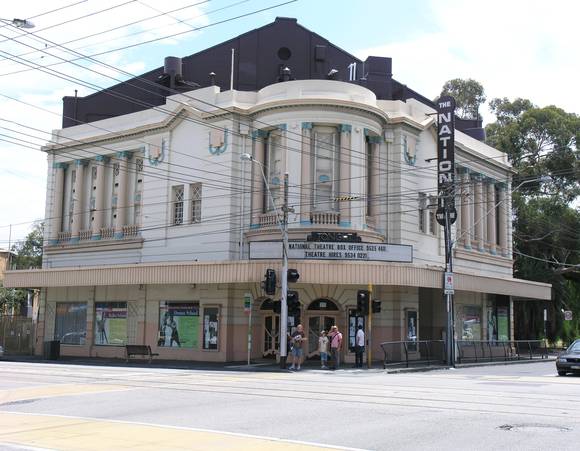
(323, 348)
(359, 347)
(297, 338)
(335, 338)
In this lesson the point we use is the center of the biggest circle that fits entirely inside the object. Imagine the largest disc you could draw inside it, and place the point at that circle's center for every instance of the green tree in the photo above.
(11, 298)
(28, 253)
(539, 142)
(469, 96)
(542, 143)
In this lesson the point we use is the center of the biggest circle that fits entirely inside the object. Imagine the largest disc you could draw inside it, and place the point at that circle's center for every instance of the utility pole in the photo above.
(283, 300)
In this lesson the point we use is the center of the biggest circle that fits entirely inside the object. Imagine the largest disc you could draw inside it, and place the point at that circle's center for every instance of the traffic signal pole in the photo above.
(284, 275)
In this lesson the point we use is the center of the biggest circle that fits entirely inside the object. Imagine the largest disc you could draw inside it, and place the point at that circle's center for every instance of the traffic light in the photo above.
(376, 306)
(293, 276)
(269, 284)
(293, 302)
(362, 301)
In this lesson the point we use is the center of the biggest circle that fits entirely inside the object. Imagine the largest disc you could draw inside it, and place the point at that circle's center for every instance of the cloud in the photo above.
(515, 49)
(23, 170)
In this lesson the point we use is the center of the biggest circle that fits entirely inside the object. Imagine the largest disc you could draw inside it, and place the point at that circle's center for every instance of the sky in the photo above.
(515, 48)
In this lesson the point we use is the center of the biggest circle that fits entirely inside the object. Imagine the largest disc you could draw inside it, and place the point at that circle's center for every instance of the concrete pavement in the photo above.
(59, 406)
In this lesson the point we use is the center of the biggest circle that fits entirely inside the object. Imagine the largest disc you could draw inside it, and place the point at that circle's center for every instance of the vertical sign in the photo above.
(446, 159)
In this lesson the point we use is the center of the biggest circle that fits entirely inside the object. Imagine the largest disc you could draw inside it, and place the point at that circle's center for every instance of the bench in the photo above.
(144, 350)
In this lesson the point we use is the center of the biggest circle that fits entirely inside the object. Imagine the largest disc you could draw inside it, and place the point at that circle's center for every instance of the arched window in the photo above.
(323, 305)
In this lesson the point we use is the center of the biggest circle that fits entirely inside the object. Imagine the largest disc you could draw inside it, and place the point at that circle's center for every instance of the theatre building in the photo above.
(158, 232)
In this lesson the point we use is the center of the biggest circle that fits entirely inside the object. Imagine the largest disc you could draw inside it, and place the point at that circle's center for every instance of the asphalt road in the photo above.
(60, 406)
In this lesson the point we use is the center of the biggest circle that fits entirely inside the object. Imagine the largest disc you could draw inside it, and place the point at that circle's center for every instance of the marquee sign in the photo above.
(446, 159)
(308, 250)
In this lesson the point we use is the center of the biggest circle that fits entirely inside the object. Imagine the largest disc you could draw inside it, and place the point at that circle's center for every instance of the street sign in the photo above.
(247, 302)
(567, 315)
(448, 286)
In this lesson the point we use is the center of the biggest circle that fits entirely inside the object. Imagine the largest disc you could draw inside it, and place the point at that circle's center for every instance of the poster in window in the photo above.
(178, 324)
(471, 322)
(71, 323)
(503, 323)
(111, 323)
(210, 328)
(411, 330)
(354, 320)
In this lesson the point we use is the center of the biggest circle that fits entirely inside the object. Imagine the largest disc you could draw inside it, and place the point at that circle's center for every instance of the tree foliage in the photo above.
(542, 145)
(469, 96)
(540, 142)
(28, 253)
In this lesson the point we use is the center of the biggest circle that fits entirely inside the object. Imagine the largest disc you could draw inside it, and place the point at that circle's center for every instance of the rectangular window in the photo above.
(178, 324)
(111, 323)
(210, 328)
(177, 198)
(421, 212)
(71, 323)
(274, 170)
(195, 195)
(432, 218)
(325, 144)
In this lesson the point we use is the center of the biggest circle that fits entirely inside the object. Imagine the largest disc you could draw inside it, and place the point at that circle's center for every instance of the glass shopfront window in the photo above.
(71, 323)
(111, 323)
(471, 321)
(210, 328)
(178, 324)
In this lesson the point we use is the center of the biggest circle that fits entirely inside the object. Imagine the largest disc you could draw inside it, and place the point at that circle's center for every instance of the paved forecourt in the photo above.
(60, 406)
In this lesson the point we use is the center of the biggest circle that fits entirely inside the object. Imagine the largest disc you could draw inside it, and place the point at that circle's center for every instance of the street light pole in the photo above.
(283, 301)
(283, 224)
(18, 23)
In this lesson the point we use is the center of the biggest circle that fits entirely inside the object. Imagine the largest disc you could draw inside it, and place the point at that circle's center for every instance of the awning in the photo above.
(311, 272)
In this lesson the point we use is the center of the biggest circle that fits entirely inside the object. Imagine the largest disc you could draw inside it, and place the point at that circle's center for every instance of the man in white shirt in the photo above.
(359, 347)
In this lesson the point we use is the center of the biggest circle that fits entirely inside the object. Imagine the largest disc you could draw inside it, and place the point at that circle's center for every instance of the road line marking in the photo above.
(73, 433)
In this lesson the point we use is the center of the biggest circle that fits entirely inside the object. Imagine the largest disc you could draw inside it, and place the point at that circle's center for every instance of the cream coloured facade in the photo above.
(153, 215)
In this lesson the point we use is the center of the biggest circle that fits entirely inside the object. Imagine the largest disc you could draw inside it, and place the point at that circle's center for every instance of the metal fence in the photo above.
(493, 350)
(16, 335)
(413, 353)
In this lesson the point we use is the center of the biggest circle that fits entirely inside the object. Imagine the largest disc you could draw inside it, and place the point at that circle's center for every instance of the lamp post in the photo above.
(283, 224)
(18, 23)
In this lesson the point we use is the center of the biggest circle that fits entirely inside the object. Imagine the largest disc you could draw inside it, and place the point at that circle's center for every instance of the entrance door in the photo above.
(271, 337)
(315, 325)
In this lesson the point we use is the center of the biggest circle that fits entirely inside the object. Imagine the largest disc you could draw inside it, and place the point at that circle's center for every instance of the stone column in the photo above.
(479, 209)
(57, 202)
(78, 200)
(258, 182)
(503, 218)
(99, 214)
(466, 203)
(491, 232)
(122, 158)
(306, 178)
(344, 173)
